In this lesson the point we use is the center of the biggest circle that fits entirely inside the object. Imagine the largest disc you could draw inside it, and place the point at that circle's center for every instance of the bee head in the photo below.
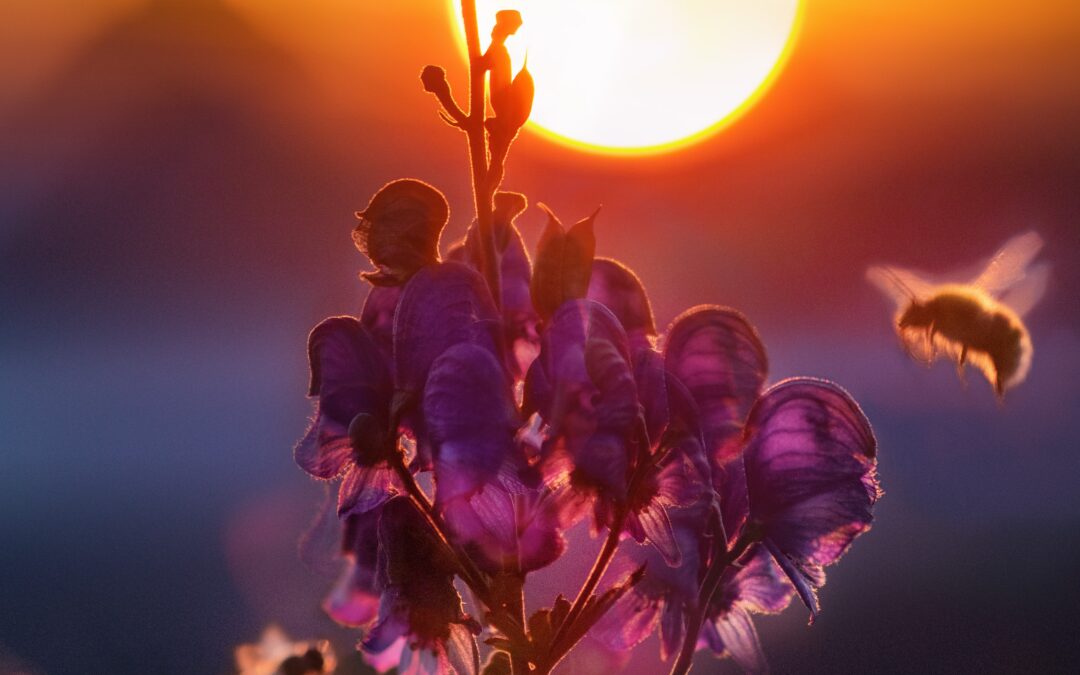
(916, 314)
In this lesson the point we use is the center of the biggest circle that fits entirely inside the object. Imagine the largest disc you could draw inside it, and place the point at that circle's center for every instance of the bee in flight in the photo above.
(978, 321)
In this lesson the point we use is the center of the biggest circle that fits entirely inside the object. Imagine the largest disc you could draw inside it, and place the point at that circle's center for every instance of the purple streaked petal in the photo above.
(811, 469)
(735, 631)
(615, 286)
(811, 476)
(350, 377)
(461, 651)
(651, 381)
(325, 450)
(366, 487)
(630, 620)
(718, 355)
(672, 621)
(656, 528)
(762, 586)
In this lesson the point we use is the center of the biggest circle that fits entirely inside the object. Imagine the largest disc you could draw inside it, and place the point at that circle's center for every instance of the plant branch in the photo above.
(600, 565)
(709, 587)
(502, 619)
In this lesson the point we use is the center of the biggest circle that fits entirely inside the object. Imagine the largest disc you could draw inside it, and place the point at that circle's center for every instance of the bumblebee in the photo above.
(979, 322)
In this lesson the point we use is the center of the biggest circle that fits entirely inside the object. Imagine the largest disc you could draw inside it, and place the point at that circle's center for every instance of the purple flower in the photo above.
(582, 385)
(811, 473)
(347, 437)
(483, 480)
(668, 591)
(421, 622)
(441, 306)
(718, 356)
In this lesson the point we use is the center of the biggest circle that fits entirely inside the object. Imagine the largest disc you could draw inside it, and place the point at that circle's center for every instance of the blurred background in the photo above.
(179, 179)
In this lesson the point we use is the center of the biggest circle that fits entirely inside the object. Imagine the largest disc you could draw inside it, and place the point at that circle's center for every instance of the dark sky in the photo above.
(179, 186)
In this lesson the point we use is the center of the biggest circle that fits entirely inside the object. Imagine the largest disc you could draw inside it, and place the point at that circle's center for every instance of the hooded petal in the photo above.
(471, 421)
(718, 355)
(441, 306)
(349, 376)
(583, 386)
(811, 475)
(615, 286)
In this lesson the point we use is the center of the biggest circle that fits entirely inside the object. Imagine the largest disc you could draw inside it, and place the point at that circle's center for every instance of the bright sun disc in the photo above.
(641, 76)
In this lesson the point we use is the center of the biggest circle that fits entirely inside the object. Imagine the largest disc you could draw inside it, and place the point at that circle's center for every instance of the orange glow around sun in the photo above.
(640, 76)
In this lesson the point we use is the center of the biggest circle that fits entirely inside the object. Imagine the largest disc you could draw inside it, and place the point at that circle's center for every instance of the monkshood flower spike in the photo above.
(484, 402)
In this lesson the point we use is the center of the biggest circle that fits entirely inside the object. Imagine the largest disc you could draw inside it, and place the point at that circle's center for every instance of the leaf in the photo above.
(563, 263)
(597, 606)
(497, 664)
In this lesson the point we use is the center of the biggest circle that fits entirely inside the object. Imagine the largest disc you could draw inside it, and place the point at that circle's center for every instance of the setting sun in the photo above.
(636, 76)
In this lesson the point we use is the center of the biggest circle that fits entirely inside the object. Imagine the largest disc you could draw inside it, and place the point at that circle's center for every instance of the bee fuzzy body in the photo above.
(967, 326)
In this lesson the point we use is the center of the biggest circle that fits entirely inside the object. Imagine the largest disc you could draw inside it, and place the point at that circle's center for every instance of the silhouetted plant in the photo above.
(536, 395)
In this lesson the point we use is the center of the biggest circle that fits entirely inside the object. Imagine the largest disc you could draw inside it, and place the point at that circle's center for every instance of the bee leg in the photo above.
(930, 343)
(960, 372)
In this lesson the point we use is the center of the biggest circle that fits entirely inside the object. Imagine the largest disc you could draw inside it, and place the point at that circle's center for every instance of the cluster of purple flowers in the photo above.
(551, 401)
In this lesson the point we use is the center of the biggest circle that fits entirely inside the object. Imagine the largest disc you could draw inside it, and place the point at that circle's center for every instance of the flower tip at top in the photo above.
(399, 230)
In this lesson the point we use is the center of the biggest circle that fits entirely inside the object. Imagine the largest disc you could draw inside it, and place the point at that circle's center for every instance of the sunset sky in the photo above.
(180, 178)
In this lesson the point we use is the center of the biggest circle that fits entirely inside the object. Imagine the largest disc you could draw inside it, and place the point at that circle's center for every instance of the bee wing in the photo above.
(1009, 265)
(900, 284)
(1026, 293)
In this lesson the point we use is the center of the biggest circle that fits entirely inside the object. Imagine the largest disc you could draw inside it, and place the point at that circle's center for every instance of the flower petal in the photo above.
(349, 376)
(811, 475)
(365, 487)
(629, 621)
(718, 355)
(441, 306)
(377, 317)
(471, 421)
(615, 286)
(461, 651)
(736, 632)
